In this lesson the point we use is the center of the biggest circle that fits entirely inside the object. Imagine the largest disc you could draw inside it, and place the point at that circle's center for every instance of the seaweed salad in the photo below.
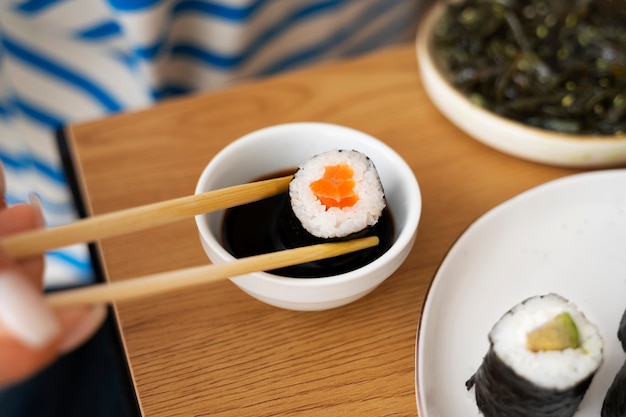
(558, 65)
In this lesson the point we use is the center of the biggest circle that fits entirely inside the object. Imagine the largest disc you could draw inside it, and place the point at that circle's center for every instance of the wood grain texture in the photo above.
(216, 351)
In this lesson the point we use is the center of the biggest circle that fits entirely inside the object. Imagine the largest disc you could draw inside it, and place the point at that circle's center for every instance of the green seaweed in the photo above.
(558, 65)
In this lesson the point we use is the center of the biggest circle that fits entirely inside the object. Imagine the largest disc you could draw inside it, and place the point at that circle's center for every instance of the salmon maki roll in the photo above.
(336, 194)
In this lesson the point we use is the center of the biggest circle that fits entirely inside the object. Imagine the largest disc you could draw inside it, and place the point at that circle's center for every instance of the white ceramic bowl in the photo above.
(514, 138)
(282, 147)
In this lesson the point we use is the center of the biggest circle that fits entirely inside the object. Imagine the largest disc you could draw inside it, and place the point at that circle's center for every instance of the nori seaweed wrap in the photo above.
(621, 332)
(542, 357)
(501, 392)
(614, 404)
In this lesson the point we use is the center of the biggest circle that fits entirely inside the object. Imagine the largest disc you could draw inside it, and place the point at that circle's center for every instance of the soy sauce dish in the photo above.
(591, 89)
(279, 150)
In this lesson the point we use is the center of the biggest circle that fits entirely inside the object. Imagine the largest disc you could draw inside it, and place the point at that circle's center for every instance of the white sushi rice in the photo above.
(337, 222)
(547, 369)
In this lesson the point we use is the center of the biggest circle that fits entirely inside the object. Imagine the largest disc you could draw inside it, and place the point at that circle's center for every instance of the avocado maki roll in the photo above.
(614, 404)
(542, 357)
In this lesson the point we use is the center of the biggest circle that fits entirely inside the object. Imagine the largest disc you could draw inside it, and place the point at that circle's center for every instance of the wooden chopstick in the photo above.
(138, 218)
(167, 281)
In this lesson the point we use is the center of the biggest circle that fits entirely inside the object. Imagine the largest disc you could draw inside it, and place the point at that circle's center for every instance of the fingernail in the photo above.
(84, 330)
(35, 201)
(24, 312)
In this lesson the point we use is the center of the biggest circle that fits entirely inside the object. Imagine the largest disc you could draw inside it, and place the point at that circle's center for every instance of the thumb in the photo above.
(32, 335)
(24, 312)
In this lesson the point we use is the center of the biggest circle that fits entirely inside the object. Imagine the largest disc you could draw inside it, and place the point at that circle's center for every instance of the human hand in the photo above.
(32, 335)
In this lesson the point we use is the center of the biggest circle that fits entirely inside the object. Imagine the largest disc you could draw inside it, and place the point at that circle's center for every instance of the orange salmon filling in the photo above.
(336, 187)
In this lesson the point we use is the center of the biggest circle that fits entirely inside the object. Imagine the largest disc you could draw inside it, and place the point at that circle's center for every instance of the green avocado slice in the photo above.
(560, 333)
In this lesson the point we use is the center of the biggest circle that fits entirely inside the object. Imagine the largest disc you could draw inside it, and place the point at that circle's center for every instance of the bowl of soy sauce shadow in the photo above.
(564, 114)
(270, 225)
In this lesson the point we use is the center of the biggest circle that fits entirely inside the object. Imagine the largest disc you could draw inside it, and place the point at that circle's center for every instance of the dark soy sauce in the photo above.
(269, 225)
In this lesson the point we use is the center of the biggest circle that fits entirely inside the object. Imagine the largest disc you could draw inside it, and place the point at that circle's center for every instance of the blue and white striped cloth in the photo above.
(64, 61)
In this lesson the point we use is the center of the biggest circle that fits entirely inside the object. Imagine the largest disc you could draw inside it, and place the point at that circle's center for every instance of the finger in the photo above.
(32, 335)
(23, 310)
(16, 219)
(19, 361)
(79, 325)
(19, 218)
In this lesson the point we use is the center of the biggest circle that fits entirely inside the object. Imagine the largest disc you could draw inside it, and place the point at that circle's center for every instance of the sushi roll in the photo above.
(336, 194)
(614, 404)
(542, 357)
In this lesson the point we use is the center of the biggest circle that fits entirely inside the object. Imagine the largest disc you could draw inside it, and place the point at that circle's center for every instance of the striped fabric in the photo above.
(64, 61)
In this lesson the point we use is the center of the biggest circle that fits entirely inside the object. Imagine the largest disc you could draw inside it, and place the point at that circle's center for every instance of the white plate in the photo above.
(567, 236)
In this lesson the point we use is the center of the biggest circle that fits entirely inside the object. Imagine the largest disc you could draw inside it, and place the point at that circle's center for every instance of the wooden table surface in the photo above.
(213, 350)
